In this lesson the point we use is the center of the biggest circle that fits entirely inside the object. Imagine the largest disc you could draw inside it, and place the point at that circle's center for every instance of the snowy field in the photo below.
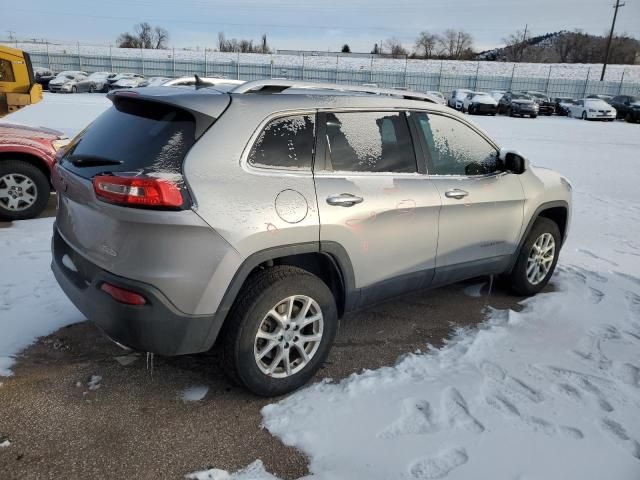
(551, 392)
(448, 67)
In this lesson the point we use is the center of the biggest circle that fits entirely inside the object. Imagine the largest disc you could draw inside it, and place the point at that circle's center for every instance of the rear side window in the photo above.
(133, 136)
(369, 142)
(454, 148)
(285, 142)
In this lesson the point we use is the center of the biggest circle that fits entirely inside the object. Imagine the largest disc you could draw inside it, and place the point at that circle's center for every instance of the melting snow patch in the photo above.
(194, 394)
(255, 471)
(94, 382)
(31, 302)
(5, 443)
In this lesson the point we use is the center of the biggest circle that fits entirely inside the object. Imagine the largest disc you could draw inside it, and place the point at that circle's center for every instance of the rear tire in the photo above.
(523, 280)
(584, 116)
(252, 329)
(18, 204)
(534, 116)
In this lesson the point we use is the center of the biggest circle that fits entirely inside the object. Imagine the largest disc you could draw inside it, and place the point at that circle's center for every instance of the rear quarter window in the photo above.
(285, 142)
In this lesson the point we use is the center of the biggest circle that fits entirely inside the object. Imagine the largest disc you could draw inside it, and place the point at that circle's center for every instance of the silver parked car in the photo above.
(67, 81)
(257, 217)
(96, 82)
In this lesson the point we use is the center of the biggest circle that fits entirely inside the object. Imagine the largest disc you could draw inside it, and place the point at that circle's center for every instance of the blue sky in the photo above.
(299, 24)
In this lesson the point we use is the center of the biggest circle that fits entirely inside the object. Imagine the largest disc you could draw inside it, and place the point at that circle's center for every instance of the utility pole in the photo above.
(613, 25)
(11, 35)
(522, 44)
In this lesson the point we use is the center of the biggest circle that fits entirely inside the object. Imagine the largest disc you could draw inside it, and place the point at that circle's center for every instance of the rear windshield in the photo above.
(133, 136)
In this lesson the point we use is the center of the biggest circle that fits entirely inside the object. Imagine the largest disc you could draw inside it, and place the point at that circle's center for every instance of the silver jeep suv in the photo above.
(257, 215)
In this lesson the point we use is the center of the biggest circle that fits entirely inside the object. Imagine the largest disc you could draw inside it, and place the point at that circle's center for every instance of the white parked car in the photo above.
(497, 94)
(129, 82)
(457, 98)
(592, 109)
(438, 96)
(480, 103)
(157, 81)
(208, 81)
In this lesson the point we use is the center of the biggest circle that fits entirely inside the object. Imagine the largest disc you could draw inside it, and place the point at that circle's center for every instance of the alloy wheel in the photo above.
(288, 336)
(17, 192)
(541, 258)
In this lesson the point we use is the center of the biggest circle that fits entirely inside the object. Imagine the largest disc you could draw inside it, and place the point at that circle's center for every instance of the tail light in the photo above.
(138, 191)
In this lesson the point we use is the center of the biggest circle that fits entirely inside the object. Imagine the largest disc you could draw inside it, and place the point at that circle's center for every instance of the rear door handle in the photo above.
(456, 193)
(343, 200)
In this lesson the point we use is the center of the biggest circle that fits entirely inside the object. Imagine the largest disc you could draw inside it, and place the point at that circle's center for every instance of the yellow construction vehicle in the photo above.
(18, 87)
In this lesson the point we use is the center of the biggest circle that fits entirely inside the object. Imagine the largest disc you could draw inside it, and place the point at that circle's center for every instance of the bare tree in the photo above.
(127, 40)
(160, 38)
(426, 44)
(394, 45)
(144, 36)
(515, 45)
(144, 31)
(455, 44)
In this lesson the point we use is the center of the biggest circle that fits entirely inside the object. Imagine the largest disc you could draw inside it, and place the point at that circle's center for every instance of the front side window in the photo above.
(286, 142)
(454, 148)
(369, 142)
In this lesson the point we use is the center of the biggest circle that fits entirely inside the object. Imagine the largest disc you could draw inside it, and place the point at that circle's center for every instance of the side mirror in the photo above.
(513, 161)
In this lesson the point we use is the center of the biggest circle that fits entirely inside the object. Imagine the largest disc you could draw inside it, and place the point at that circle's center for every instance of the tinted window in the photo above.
(285, 143)
(454, 148)
(133, 136)
(369, 142)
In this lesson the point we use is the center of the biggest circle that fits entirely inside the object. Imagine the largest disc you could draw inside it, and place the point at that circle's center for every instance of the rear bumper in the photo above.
(157, 326)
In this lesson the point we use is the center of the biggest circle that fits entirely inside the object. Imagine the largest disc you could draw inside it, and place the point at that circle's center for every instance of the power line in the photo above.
(617, 6)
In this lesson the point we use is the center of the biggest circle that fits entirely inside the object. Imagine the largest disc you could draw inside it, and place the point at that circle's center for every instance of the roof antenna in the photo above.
(199, 82)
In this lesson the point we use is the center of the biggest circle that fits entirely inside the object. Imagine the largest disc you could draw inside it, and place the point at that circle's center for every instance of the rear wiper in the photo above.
(92, 161)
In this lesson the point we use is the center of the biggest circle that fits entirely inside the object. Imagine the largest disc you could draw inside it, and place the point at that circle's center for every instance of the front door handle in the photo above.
(343, 200)
(456, 193)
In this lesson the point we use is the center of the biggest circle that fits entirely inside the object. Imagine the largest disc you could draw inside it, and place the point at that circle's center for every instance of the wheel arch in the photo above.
(329, 261)
(31, 158)
(557, 211)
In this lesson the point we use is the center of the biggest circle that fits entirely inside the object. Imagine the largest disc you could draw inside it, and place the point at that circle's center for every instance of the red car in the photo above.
(27, 156)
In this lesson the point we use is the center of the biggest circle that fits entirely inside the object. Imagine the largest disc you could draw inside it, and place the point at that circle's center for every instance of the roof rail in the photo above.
(278, 86)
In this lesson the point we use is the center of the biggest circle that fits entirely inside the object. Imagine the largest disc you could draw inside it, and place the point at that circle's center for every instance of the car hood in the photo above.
(60, 81)
(484, 100)
(522, 101)
(10, 130)
(635, 105)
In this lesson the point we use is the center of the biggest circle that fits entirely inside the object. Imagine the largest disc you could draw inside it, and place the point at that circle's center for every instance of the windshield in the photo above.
(596, 103)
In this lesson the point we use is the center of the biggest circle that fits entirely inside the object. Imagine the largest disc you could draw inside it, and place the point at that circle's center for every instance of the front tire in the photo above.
(537, 258)
(584, 116)
(279, 331)
(74, 89)
(24, 190)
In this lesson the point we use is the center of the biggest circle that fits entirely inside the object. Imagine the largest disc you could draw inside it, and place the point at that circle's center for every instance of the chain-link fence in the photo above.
(418, 81)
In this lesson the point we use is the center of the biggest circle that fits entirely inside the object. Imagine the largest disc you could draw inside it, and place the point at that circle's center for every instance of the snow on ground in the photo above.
(68, 113)
(449, 67)
(194, 393)
(550, 392)
(31, 302)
